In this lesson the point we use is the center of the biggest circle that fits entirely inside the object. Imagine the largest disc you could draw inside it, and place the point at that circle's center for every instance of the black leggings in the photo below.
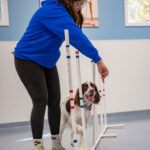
(43, 87)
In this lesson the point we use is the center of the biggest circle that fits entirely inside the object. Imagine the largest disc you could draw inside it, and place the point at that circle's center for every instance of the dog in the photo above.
(90, 96)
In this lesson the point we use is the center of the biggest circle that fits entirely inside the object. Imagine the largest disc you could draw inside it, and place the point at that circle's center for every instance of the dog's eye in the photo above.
(84, 87)
(92, 85)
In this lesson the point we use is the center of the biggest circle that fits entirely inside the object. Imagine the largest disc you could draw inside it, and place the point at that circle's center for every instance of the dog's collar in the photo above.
(88, 107)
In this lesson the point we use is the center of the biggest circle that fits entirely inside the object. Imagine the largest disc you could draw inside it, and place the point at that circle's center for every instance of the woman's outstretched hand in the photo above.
(102, 70)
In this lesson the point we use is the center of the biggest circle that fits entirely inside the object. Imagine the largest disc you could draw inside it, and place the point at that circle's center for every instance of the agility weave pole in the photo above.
(103, 117)
(81, 99)
(95, 120)
(73, 120)
(80, 90)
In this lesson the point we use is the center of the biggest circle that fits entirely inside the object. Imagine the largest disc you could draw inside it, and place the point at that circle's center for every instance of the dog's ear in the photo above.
(97, 96)
(76, 100)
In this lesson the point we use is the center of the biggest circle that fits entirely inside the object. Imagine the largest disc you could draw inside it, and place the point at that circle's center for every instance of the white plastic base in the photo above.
(102, 134)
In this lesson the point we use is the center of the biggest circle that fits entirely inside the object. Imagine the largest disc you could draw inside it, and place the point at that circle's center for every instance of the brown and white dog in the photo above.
(90, 96)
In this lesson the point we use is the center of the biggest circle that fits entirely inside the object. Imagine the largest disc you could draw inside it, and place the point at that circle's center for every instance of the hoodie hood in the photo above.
(45, 2)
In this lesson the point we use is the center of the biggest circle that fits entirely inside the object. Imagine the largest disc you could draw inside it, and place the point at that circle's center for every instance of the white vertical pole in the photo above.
(101, 108)
(104, 100)
(72, 107)
(94, 108)
(81, 100)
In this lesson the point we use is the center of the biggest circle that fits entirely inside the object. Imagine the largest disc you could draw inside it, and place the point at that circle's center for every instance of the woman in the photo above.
(36, 55)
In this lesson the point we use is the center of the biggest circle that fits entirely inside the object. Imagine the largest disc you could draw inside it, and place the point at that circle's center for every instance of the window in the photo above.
(137, 12)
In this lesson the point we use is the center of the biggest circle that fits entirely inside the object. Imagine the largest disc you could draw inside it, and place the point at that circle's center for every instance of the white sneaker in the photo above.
(39, 147)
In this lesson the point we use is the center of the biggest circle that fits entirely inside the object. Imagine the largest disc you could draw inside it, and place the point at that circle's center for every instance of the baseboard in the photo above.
(112, 117)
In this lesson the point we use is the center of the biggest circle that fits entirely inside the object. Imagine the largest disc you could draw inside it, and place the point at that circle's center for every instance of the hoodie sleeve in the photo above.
(57, 19)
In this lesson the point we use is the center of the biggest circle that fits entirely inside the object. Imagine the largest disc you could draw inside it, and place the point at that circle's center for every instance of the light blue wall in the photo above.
(20, 12)
(111, 14)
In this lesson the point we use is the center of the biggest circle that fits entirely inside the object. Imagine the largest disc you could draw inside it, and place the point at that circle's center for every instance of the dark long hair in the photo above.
(77, 16)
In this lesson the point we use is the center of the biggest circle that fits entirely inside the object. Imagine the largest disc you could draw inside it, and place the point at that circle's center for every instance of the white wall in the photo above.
(127, 87)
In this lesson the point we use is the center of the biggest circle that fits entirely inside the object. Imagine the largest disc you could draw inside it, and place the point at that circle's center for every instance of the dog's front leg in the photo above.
(79, 131)
(72, 139)
(81, 141)
(81, 144)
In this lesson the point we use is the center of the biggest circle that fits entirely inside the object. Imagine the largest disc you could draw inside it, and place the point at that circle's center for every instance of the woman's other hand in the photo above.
(102, 70)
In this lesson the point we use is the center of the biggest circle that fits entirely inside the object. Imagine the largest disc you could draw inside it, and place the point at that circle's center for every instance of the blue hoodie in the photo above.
(45, 34)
